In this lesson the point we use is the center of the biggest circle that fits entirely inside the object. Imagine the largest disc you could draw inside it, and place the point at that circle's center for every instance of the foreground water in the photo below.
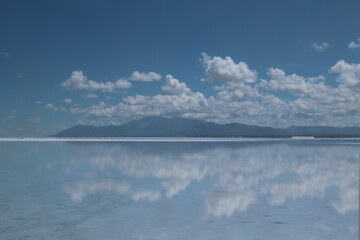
(263, 189)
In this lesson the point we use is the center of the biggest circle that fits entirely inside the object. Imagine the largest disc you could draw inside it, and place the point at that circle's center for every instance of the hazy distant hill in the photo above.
(180, 127)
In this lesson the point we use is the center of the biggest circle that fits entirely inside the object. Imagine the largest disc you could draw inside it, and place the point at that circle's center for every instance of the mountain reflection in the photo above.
(240, 173)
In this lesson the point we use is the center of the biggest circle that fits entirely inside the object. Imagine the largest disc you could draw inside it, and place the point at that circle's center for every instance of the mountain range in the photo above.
(180, 127)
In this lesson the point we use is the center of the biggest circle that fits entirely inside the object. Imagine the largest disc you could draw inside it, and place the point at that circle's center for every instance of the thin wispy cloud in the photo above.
(145, 195)
(354, 45)
(54, 108)
(5, 54)
(91, 95)
(12, 115)
(68, 100)
(21, 76)
(321, 47)
(34, 120)
(78, 191)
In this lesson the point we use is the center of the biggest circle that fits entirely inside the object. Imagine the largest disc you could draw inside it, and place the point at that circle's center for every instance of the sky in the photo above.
(268, 63)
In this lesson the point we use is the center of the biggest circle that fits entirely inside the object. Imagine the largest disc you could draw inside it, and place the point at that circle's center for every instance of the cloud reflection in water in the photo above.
(241, 172)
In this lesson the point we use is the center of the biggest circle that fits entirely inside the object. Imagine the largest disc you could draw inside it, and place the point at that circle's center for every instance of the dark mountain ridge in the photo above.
(180, 127)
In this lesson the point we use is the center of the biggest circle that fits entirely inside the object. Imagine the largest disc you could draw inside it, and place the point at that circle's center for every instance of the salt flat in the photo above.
(138, 188)
(159, 139)
(137, 139)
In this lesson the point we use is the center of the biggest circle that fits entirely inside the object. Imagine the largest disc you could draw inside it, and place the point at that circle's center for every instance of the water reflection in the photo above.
(79, 190)
(239, 174)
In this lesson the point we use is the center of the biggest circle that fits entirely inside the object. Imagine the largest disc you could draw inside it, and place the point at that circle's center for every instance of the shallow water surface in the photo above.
(263, 189)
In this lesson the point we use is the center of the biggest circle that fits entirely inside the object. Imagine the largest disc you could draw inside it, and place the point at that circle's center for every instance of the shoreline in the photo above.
(167, 139)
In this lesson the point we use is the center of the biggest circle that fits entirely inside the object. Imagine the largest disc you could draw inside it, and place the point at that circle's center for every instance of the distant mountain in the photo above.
(180, 127)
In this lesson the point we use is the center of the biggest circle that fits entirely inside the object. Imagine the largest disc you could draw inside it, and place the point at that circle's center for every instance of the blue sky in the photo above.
(273, 63)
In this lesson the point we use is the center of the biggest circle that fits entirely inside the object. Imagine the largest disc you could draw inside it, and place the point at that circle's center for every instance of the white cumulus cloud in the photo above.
(280, 81)
(174, 87)
(310, 100)
(314, 103)
(140, 106)
(349, 73)
(236, 93)
(79, 81)
(145, 77)
(226, 70)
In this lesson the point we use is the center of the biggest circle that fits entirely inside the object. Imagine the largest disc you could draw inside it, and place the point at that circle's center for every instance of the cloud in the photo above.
(315, 99)
(175, 99)
(145, 77)
(174, 87)
(236, 77)
(346, 202)
(320, 47)
(4, 54)
(145, 195)
(354, 45)
(12, 115)
(52, 107)
(67, 100)
(314, 103)
(23, 76)
(91, 95)
(290, 172)
(279, 81)
(225, 203)
(34, 120)
(316, 79)
(38, 102)
(226, 70)
(349, 73)
(49, 106)
(79, 81)
(238, 92)
(78, 110)
(308, 101)
(78, 191)
(140, 106)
